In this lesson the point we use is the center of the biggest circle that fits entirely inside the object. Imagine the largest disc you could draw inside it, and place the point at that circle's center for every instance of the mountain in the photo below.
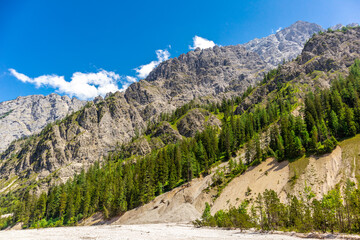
(282, 135)
(285, 44)
(25, 116)
(288, 124)
(84, 137)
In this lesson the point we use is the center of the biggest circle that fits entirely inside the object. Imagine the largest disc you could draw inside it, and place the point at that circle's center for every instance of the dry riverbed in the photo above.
(138, 232)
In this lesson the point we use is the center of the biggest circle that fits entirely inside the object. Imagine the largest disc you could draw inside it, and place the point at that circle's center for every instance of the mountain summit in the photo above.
(285, 44)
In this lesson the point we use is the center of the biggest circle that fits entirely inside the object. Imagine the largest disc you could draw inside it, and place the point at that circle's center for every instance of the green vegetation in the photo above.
(337, 211)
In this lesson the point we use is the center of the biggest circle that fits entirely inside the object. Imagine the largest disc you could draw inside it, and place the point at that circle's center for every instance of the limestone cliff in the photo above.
(25, 116)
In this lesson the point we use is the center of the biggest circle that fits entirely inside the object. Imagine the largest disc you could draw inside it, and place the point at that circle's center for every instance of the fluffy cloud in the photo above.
(87, 86)
(144, 70)
(82, 85)
(199, 42)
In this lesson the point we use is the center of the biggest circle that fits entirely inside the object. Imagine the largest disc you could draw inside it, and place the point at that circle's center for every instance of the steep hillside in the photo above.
(25, 116)
(187, 203)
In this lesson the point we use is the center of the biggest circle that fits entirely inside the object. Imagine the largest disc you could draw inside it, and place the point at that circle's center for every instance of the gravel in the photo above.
(138, 232)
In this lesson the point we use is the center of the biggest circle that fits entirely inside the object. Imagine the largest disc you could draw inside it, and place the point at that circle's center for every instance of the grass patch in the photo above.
(350, 151)
(297, 167)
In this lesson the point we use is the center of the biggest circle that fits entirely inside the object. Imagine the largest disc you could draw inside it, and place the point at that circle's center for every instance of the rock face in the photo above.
(286, 44)
(85, 136)
(207, 72)
(166, 133)
(25, 116)
(195, 121)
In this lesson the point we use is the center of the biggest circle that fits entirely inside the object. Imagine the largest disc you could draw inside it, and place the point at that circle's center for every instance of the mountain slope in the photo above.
(25, 116)
(187, 203)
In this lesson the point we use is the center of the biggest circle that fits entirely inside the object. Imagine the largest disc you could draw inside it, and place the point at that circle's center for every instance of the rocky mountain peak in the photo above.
(286, 44)
(298, 32)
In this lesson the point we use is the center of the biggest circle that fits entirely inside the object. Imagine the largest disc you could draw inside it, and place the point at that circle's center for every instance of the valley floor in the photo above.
(138, 232)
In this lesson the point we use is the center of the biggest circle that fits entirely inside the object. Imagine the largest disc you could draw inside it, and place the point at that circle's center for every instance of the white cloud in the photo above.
(82, 85)
(87, 86)
(131, 79)
(199, 42)
(279, 29)
(144, 70)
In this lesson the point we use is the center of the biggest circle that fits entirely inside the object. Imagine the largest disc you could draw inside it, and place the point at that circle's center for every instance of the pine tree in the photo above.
(334, 123)
(314, 139)
(258, 152)
(172, 176)
(248, 153)
(63, 200)
(298, 147)
(86, 204)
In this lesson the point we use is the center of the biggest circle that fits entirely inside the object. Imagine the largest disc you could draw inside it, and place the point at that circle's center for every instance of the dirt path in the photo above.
(138, 232)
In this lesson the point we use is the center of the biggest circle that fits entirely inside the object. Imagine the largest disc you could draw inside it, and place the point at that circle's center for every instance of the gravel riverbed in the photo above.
(138, 232)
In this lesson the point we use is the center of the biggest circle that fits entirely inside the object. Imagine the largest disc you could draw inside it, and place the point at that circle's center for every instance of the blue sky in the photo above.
(99, 44)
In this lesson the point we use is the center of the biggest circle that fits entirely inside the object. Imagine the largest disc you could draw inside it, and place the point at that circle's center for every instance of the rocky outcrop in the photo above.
(166, 133)
(285, 44)
(195, 121)
(156, 138)
(25, 116)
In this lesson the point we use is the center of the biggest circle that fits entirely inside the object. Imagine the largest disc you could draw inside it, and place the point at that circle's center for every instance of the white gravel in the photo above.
(138, 232)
